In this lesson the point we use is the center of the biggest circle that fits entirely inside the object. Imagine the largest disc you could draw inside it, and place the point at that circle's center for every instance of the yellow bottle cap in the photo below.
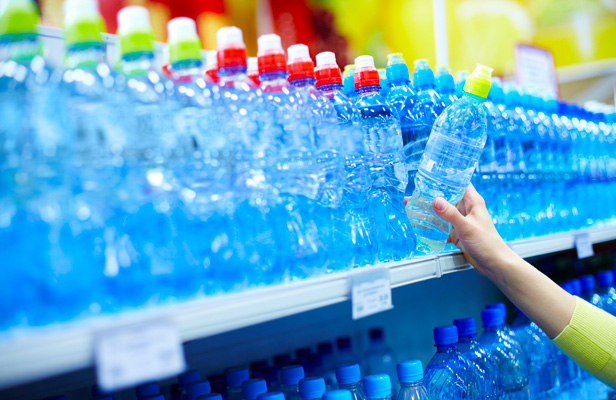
(478, 83)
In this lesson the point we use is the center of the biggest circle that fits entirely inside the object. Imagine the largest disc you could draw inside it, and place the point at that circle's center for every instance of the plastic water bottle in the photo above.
(235, 377)
(349, 82)
(352, 148)
(486, 366)
(449, 160)
(445, 85)
(188, 378)
(378, 357)
(403, 99)
(338, 394)
(377, 387)
(252, 388)
(197, 389)
(507, 354)
(289, 379)
(395, 238)
(384, 82)
(410, 376)
(348, 376)
(449, 375)
(344, 351)
(271, 396)
(312, 388)
(607, 291)
(326, 350)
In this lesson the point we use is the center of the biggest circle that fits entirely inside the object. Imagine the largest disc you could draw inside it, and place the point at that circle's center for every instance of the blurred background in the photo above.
(581, 34)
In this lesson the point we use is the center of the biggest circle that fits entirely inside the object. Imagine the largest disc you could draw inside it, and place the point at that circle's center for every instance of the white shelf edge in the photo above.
(45, 352)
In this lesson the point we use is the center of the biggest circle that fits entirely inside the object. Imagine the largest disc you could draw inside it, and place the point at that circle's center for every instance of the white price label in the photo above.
(132, 355)
(371, 292)
(583, 245)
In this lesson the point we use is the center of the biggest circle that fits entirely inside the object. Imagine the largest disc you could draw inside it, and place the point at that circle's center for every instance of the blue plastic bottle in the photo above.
(410, 376)
(348, 376)
(445, 85)
(507, 354)
(404, 99)
(378, 357)
(312, 388)
(289, 379)
(235, 377)
(607, 291)
(377, 387)
(395, 238)
(449, 375)
(349, 82)
(252, 388)
(485, 364)
(449, 160)
(338, 394)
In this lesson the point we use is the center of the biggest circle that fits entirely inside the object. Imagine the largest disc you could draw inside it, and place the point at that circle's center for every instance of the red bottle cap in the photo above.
(365, 72)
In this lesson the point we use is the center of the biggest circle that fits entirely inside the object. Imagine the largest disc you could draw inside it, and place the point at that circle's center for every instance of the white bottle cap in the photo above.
(211, 60)
(133, 19)
(228, 35)
(181, 28)
(79, 10)
(363, 62)
(269, 42)
(326, 58)
(253, 64)
(298, 52)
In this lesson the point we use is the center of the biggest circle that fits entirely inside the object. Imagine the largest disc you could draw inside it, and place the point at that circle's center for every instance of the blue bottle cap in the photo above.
(422, 74)
(409, 371)
(397, 70)
(343, 343)
(291, 375)
(348, 373)
(466, 326)
(188, 377)
(492, 317)
(235, 376)
(499, 306)
(444, 335)
(312, 387)
(282, 360)
(444, 80)
(271, 396)
(198, 388)
(339, 394)
(325, 348)
(377, 385)
(147, 389)
(349, 85)
(209, 396)
(605, 278)
(253, 387)
(587, 282)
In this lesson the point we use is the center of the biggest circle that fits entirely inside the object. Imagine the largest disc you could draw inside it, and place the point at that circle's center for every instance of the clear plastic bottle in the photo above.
(378, 357)
(507, 354)
(449, 375)
(449, 160)
(377, 387)
(289, 379)
(395, 238)
(338, 394)
(235, 377)
(410, 376)
(348, 376)
(445, 85)
(252, 388)
(353, 149)
(312, 388)
(485, 364)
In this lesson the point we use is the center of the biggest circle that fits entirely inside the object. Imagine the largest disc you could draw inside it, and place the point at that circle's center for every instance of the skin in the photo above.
(536, 295)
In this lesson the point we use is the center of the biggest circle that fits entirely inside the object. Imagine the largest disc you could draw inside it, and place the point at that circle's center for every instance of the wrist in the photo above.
(504, 262)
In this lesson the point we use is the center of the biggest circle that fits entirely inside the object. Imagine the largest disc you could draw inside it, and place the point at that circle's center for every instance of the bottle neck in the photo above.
(85, 56)
(330, 89)
(424, 87)
(446, 348)
(231, 72)
(410, 385)
(474, 98)
(399, 82)
(137, 63)
(21, 49)
(186, 68)
(493, 328)
(303, 82)
(274, 81)
(350, 386)
(467, 339)
(367, 90)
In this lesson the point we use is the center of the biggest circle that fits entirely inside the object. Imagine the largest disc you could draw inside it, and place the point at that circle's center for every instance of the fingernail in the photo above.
(439, 204)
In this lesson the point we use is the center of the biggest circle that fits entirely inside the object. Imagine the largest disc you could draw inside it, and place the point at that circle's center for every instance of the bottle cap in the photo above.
(492, 317)
(299, 64)
(188, 377)
(271, 56)
(253, 387)
(325, 348)
(338, 394)
(271, 396)
(444, 80)
(377, 385)
(605, 278)
(499, 306)
(183, 41)
(365, 72)
(134, 30)
(198, 388)
(231, 47)
(466, 326)
(327, 71)
(409, 371)
(587, 282)
(18, 17)
(348, 373)
(343, 343)
(311, 388)
(444, 335)
(422, 73)
(210, 396)
(282, 360)
(397, 70)
(82, 22)
(147, 389)
(253, 65)
(235, 376)
(291, 375)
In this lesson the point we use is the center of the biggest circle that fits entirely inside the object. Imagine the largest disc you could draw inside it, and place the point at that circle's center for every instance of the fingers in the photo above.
(448, 212)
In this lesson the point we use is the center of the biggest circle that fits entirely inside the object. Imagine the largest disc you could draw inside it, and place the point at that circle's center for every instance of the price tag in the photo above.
(534, 69)
(131, 355)
(583, 245)
(371, 292)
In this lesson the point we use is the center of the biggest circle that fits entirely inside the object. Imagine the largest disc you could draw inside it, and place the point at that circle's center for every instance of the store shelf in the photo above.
(39, 353)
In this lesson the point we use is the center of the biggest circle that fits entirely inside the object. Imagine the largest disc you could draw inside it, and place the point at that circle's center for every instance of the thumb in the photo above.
(448, 212)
